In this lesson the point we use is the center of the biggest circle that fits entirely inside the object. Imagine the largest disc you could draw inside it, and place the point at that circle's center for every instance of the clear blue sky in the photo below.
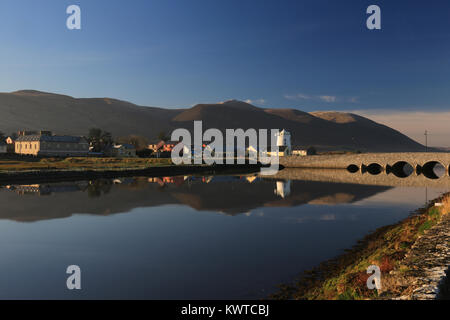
(306, 54)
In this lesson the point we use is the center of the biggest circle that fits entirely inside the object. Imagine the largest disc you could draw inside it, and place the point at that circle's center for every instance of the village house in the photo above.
(155, 146)
(122, 151)
(45, 143)
(304, 152)
(162, 146)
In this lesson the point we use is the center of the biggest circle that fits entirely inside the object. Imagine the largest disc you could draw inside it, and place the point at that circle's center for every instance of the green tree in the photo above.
(99, 139)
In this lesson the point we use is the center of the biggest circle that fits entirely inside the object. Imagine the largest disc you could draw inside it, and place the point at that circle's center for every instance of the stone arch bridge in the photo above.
(420, 163)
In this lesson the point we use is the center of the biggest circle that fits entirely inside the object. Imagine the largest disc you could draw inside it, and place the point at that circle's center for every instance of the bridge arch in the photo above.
(400, 169)
(353, 168)
(375, 168)
(433, 170)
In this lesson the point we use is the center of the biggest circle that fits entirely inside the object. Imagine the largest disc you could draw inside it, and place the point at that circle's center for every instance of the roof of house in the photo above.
(47, 138)
(125, 146)
(160, 144)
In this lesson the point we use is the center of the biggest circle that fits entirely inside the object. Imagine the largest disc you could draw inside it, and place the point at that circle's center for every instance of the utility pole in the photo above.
(426, 141)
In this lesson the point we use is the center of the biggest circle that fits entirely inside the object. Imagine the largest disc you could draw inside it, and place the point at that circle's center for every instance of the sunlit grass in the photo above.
(445, 209)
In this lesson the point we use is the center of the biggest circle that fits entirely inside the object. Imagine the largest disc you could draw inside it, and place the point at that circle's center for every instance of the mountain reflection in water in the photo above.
(231, 195)
(190, 237)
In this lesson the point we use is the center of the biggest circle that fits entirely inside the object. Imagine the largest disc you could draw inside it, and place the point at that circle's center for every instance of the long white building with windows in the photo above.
(45, 143)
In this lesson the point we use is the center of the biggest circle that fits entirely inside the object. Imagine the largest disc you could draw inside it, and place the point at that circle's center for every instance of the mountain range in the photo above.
(35, 110)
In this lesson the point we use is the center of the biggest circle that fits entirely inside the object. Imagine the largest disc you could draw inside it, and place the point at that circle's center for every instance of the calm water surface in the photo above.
(222, 237)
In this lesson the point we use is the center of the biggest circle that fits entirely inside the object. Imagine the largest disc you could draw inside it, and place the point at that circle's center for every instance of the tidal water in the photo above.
(212, 237)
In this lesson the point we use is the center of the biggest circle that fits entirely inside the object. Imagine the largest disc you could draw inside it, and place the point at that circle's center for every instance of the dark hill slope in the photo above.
(34, 110)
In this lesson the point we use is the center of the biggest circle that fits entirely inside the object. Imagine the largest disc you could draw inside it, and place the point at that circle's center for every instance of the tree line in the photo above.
(101, 140)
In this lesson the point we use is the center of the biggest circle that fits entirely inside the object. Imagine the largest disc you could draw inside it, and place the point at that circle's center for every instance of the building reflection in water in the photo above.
(283, 188)
(230, 195)
(47, 189)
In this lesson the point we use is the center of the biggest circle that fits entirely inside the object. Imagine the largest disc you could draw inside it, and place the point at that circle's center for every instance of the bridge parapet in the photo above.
(420, 161)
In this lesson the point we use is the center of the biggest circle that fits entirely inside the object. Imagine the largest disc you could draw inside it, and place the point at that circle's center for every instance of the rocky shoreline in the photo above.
(413, 256)
(427, 264)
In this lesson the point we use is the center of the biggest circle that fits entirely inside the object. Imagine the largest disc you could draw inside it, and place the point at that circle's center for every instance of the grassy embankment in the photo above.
(345, 277)
(79, 164)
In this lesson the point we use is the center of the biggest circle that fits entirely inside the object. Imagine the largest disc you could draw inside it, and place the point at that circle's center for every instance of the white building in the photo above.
(311, 151)
(284, 143)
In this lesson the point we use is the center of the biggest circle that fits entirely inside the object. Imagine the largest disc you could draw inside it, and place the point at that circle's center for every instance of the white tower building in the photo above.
(284, 142)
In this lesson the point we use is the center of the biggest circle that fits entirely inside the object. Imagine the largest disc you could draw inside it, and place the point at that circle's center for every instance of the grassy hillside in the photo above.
(34, 110)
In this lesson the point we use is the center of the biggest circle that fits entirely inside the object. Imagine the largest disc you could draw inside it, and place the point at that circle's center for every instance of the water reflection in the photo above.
(47, 189)
(407, 179)
(162, 238)
(283, 188)
(230, 195)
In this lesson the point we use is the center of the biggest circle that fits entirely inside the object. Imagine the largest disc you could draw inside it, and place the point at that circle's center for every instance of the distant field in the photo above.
(14, 165)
